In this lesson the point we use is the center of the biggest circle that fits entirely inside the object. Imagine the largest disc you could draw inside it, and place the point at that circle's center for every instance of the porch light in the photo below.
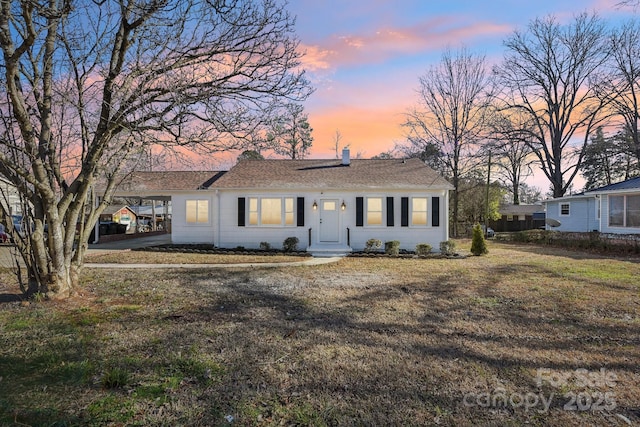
(315, 205)
(343, 206)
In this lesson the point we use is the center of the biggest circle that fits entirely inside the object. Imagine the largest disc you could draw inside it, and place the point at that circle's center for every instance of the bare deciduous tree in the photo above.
(629, 3)
(87, 83)
(624, 91)
(513, 156)
(550, 74)
(336, 143)
(454, 96)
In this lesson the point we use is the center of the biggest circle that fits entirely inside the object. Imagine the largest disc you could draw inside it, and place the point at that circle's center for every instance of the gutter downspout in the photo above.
(446, 215)
(588, 215)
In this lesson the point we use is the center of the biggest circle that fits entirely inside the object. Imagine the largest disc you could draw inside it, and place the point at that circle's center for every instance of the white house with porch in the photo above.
(331, 206)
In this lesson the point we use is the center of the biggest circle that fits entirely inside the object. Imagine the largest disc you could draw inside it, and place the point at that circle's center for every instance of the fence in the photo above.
(594, 240)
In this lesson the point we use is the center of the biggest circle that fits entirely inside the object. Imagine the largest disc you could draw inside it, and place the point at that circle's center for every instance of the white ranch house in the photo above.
(331, 206)
(611, 209)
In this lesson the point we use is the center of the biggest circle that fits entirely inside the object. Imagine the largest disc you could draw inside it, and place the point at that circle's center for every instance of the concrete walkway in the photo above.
(142, 242)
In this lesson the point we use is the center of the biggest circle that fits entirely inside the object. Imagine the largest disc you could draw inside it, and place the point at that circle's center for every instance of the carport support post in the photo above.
(153, 215)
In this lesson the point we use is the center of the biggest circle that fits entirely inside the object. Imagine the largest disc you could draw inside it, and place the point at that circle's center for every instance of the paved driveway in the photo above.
(134, 243)
(7, 251)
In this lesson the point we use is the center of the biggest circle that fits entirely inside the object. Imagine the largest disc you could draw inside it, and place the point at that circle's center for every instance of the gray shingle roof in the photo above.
(144, 181)
(332, 174)
(520, 209)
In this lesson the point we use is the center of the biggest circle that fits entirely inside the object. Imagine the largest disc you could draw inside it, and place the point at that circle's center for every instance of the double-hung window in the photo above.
(374, 211)
(197, 211)
(419, 211)
(271, 211)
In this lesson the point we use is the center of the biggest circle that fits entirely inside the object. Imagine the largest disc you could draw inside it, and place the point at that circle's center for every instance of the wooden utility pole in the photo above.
(486, 208)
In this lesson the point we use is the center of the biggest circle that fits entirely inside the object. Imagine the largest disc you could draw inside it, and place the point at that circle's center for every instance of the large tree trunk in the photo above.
(456, 205)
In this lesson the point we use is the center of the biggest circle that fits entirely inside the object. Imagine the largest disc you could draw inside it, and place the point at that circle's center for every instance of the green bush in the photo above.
(423, 249)
(372, 245)
(290, 244)
(478, 244)
(448, 247)
(392, 247)
(265, 246)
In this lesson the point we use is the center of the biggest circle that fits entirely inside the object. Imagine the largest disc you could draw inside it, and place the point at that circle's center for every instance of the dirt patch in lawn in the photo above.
(515, 337)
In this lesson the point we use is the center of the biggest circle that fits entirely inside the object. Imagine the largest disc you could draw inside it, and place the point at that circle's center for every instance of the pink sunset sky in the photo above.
(364, 57)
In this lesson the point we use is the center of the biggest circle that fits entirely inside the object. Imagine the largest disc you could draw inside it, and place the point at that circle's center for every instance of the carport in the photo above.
(157, 187)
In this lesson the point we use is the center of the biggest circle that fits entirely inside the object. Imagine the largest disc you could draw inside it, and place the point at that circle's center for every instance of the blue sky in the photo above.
(365, 57)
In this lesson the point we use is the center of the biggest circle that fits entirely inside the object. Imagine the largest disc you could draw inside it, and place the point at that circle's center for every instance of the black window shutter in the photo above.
(435, 211)
(241, 208)
(359, 211)
(389, 211)
(300, 211)
(404, 212)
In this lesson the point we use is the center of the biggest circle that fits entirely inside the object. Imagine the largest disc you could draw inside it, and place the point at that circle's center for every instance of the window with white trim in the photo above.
(565, 209)
(374, 210)
(271, 211)
(624, 211)
(197, 211)
(419, 211)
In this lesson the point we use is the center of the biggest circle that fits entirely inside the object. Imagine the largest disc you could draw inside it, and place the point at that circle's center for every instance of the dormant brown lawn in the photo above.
(525, 335)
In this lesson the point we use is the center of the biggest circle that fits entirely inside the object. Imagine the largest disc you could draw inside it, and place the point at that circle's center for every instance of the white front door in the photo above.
(329, 220)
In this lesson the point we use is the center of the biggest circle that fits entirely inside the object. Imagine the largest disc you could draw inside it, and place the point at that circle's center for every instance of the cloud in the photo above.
(316, 58)
(379, 45)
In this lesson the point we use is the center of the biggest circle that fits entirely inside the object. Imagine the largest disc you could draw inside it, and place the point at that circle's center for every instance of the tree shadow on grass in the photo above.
(7, 298)
(374, 352)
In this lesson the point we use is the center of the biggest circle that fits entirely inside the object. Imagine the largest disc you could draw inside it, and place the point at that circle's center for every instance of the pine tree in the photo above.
(478, 244)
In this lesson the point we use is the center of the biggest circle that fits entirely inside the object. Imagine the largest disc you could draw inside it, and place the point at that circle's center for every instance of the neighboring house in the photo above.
(331, 206)
(577, 213)
(519, 218)
(613, 208)
(9, 197)
(120, 214)
(152, 217)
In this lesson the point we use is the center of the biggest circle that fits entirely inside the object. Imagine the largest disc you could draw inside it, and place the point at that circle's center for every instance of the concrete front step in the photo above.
(329, 251)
